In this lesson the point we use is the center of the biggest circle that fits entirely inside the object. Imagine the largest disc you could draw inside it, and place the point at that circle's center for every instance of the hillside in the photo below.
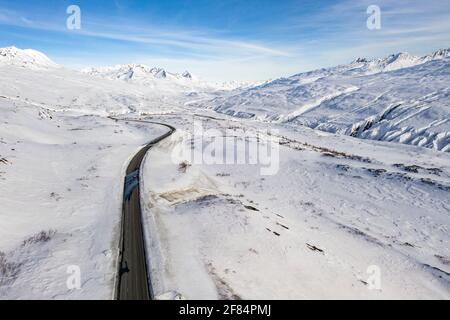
(400, 98)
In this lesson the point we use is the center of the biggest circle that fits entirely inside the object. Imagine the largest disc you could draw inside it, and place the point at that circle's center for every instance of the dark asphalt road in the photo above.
(133, 280)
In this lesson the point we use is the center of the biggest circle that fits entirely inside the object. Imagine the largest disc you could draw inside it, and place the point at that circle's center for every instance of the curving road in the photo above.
(133, 281)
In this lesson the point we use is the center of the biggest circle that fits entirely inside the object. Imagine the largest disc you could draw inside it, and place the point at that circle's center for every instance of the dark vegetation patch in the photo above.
(283, 226)
(297, 145)
(418, 169)
(402, 176)
(313, 248)
(399, 176)
(251, 208)
(342, 167)
(183, 166)
(375, 172)
(359, 233)
(435, 184)
(444, 260)
(55, 196)
(224, 290)
(438, 272)
(407, 244)
(221, 174)
(8, 270)
(41, 237)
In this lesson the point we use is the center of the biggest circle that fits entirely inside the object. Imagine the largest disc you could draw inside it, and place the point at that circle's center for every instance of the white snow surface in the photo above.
(61, 181)
(62, 176)
(337, 207)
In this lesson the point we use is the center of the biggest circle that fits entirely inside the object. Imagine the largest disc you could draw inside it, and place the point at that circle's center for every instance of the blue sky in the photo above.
(224, 40)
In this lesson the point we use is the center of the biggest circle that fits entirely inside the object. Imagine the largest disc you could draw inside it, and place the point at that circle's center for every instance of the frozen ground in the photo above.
(61, 194)
(61, 179)
(338, 205)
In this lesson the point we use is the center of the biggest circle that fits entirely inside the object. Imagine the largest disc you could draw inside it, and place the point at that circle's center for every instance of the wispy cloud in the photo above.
(295, 42)
(338, 33)
(193, 41)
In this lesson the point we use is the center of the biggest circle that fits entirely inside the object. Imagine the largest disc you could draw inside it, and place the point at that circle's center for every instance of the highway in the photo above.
(133, 281)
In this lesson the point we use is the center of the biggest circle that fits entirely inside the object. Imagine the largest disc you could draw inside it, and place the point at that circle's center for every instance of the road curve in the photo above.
(133, 282)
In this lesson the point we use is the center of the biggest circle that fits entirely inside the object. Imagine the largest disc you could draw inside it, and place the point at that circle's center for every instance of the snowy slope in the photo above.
(400, 98)
(61, 192)
(337, 208)
(27, 58)
(63, 89)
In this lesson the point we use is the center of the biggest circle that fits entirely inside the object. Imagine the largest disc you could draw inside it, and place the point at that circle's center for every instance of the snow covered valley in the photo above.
(358, 207)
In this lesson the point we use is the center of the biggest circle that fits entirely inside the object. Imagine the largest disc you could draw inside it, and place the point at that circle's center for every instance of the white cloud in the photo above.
(336, 34)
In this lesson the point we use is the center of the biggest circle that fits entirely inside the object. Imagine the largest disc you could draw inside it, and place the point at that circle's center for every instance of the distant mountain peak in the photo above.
(396, 61)
(25, 58)
(187, 75)
(440, 54)
(137, 73)
(399, 56)
(159, 73)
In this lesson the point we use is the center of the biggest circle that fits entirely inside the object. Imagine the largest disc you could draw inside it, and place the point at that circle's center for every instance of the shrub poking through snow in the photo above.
(8, 270)
(182, 167)
(43, 236)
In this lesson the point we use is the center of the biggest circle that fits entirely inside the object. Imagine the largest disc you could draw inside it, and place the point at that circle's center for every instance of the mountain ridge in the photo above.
(30, 58)
(352, 99)
(135, 72)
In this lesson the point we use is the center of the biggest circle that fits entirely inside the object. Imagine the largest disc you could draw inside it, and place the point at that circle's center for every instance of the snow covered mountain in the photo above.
(153, 77)
(400, 98)
(138, 73)
(395, 61)
(27, 76)
(25, 58)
